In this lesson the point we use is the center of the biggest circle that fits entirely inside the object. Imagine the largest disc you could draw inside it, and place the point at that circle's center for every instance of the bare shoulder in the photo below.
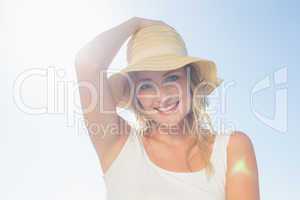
(240, 149)
(240, 141)
(242, 173)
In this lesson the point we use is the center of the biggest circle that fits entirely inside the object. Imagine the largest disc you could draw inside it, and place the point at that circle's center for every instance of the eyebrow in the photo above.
(144, 79)
(168, 72)
(165, 74)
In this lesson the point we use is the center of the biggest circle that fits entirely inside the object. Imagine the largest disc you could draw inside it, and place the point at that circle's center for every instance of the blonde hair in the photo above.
(197, 118)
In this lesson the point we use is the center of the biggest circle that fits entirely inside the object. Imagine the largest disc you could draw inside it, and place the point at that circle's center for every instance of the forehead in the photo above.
(155, 74)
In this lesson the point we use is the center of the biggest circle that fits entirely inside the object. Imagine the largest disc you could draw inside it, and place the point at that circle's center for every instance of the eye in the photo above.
(171, 78)
(145, 86)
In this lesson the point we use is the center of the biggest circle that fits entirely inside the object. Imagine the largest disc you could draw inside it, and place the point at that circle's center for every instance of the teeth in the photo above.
(165, 109)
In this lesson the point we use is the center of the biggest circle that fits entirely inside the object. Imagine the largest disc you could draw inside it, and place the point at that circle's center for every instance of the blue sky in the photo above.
(253, 43)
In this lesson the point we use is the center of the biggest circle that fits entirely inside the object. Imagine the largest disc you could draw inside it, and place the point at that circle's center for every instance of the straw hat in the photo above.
(159, 48)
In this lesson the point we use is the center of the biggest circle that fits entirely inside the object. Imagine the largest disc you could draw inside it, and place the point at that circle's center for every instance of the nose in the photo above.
(165, 97)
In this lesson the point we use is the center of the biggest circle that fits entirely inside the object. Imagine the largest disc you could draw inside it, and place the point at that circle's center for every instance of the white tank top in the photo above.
(133, 176)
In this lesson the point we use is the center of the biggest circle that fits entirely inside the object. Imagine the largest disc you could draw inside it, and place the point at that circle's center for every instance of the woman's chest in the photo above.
(174, 159)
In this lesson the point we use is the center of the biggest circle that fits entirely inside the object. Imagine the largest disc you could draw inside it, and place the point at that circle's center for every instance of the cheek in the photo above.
(185, 96)
(181, 89)
(145, 99)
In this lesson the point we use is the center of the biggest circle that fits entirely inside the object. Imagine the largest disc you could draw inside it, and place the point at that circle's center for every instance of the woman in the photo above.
(173, 153)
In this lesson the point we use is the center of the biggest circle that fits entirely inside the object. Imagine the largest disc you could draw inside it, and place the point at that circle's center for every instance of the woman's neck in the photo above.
(170, 134)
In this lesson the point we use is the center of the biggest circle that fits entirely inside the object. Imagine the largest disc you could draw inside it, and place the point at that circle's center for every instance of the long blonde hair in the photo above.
(198, 119)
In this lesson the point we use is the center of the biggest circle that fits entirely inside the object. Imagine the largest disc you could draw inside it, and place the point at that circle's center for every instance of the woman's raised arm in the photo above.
(105, 127)
(99, 108)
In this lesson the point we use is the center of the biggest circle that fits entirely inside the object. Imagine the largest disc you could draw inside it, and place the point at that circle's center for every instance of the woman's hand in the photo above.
(143, 22)
(139, 24)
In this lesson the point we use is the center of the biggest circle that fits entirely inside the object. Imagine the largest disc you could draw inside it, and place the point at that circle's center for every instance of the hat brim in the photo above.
(120, 84)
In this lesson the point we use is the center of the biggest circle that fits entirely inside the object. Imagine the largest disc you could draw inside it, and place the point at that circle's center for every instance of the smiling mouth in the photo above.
(170, 108)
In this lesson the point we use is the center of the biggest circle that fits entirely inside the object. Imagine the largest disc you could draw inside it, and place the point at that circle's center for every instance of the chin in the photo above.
(170, 119)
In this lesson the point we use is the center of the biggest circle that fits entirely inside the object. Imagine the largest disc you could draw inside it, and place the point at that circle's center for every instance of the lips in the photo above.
(168, 108)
